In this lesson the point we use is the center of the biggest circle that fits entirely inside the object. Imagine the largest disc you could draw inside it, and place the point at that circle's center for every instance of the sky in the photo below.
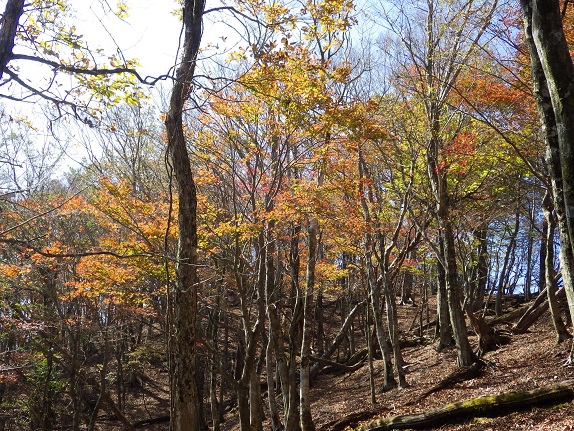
(150, 32)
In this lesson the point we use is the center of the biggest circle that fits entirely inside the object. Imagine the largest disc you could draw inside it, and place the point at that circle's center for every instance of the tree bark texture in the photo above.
(185, 403)
(543, 27)
(443, 318)
(554, 55)
(10, 19)
(551, 288)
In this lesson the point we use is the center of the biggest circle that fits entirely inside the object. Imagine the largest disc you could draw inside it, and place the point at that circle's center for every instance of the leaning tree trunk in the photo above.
(185, 407)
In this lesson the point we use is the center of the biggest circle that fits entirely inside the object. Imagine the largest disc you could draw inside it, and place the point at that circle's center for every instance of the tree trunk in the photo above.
(503, 279)
(479, 273)
(487, 341)
(443, 317)
(465, 356)
(389, 381)
(290, 393)
(274, 342)
(537, 309)
(456, 412)
(407, 288)
(185, 401)
(529, 249)
(243, 407)
(553, 74)
(554, 55)
(10, 19)
(542, 257)
(370, 355)
(306, 418)
(374, 290)
(561, 332)
(271, 385)
(320, 332)
(393, 331)
(338, 339)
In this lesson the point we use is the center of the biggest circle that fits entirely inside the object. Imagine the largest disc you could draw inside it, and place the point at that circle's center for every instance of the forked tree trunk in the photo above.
(392, 323)
(374, 290)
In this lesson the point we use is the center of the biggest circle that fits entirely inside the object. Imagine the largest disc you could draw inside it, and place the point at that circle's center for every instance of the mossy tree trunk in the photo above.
(481, 406)
(551, 288)
(553, 77)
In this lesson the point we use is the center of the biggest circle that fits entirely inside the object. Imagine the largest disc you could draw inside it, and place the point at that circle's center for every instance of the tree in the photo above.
(41, 36)
(552, 72)
(186, 405)
(435, 53)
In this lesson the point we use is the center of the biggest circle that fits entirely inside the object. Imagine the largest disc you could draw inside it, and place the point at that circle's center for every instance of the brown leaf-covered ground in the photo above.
(529, 361)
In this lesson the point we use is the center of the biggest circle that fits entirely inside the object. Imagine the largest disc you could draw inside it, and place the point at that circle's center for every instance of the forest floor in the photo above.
(529, 361)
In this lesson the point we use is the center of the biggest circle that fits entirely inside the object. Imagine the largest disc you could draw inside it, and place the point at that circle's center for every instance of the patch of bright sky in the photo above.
(150, 33)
